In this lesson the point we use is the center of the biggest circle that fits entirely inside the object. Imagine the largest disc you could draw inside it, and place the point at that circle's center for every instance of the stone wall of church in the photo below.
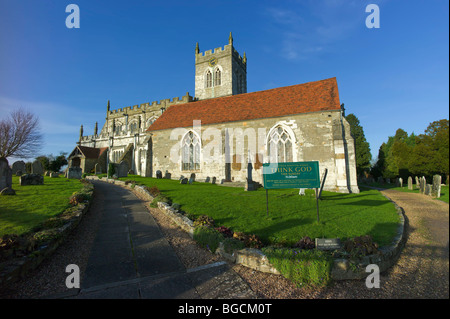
(319, 136)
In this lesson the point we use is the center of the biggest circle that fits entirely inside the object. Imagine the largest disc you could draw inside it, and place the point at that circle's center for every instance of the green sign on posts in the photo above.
(291, 175)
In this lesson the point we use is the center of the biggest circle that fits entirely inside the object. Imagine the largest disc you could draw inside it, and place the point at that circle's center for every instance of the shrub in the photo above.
(360, 246)
(226, 232)
(208, 238)
(154, 191)
(305, 243)
(159, 198)
(240, 236)
(302, 267)
(253, 241)
(204, 220)
(111, 169)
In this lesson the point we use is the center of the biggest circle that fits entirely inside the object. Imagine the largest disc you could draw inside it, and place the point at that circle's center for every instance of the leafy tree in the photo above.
(53, 163)
(362, 148)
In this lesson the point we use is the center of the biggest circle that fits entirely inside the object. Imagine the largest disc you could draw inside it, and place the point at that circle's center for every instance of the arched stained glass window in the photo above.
(280, 146)
(190, 152)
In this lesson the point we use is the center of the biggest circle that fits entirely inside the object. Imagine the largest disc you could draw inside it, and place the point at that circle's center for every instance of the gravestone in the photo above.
(436, 188)
(427, 189)
(5, 174)
(250, 185)
(184, 181)
(167, 175)
(192, 178)
(74, 172)
(213, 181)
(54, 175)
(18, 166)
(122, 169)
(31, 179)
(400, 182)
(36, 168)
(207, 180)
(422, 183)
(328, 243)
(181, 177)
(97, 168)
(410, 183)
(417, 182)
(158, 174)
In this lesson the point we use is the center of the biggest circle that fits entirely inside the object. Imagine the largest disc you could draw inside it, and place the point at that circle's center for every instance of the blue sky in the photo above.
(133, 52)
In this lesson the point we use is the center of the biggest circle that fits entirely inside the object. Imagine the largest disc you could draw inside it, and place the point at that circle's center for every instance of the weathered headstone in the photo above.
(400, 182)
(417, 183)
(184, 181)
(436, 188)
(31, 179)
(5, 174)
(422, 183)
(213, 181)
(98, 168)
(191, 180)
(74, 172)
(192, 177)
(158, 174)
(18, 166)
(36, 168)
(410, 183)
(427, 189)
(122, 169)
(167, 175)
(207, 180)
(250, 185)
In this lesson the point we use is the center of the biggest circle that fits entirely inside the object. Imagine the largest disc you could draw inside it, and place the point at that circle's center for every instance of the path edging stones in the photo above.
(343, 269)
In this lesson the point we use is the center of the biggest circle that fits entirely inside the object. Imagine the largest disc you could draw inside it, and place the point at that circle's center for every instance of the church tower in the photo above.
(221, 72)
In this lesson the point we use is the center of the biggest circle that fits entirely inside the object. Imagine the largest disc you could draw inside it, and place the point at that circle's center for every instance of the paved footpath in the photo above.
(130, 258)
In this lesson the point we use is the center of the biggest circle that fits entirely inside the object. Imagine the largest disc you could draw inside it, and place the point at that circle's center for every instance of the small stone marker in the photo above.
(213, 181)
(417, 183)
(167, 175)
(400, 182)
(158, 174)
(328, 243)
(184, 181)
(207, 180)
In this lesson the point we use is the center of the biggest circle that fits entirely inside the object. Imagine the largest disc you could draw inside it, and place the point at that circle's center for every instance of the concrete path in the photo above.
(131, 258)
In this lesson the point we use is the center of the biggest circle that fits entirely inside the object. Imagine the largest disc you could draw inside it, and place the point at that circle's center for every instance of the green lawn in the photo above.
(34, 204)
(291, 216)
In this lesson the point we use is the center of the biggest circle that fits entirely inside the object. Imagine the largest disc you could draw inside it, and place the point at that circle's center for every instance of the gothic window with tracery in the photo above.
(190, 151)
(280, 146)
(217, 77)
(208, 79)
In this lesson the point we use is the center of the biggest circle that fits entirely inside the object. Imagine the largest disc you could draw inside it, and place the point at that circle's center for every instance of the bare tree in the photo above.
(20, 135)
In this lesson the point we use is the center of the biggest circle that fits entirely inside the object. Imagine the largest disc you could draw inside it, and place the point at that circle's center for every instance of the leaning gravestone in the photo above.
(410, 183)
(36, 168)
(5, 174)
(122, 169)
(74, 172)
(436, 188)
(158, 174)
(18, 166)
(184, 181)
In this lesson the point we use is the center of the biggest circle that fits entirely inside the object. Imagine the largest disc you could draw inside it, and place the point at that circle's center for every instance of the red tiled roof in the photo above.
(302, 98)
(91, 152)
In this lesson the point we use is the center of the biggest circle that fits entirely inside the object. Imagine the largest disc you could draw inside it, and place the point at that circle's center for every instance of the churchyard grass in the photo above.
(444, 190)
(291, 217)
(33, 204)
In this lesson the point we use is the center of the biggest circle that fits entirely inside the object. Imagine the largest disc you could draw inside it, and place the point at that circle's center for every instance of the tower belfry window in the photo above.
(208, 79)
(217, 77)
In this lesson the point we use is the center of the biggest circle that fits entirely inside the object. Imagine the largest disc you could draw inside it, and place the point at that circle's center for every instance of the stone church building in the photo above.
(222, 128)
